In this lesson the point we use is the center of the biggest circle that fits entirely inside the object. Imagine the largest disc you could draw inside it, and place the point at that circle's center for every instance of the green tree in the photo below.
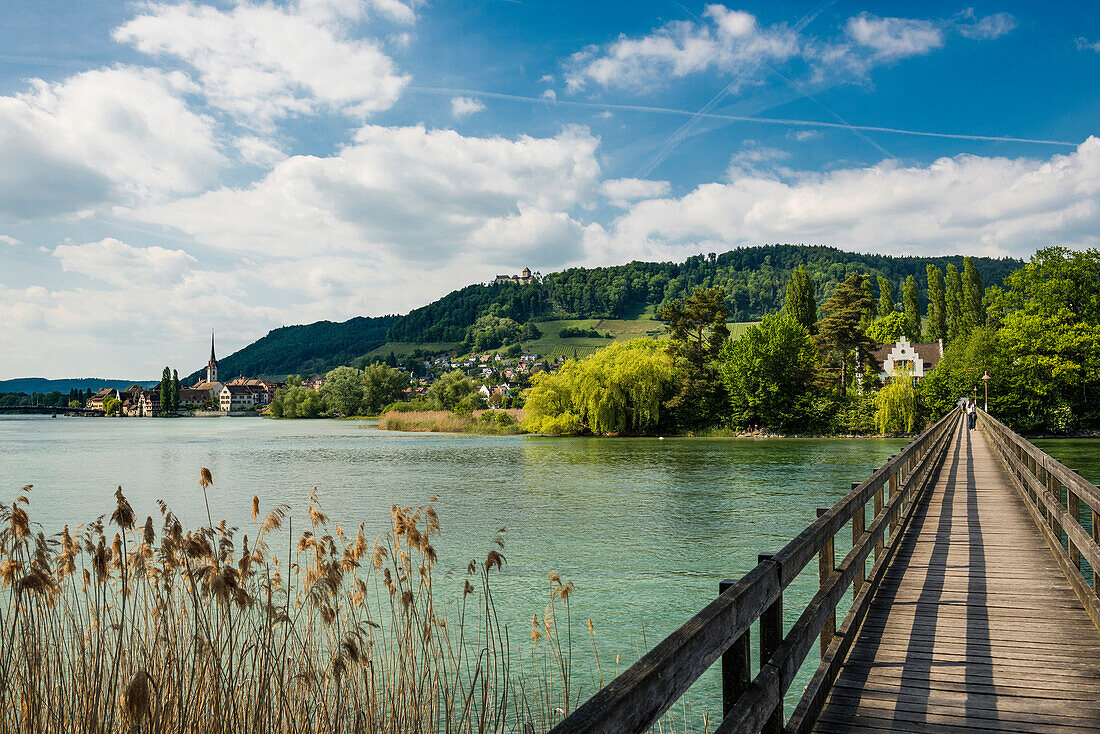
(293, 401)
(972, 293)
(768, 374)
(343, 391)
(840, 334)
(111, 405)
(450, 389)
(911, 297)
(937, 305)
(531, 332)
(888, 329)
(697, 326)
(175, 392)
(165, 391)
(885, 297)
(799, 302)
(381, 385)
(619, 389)
(869, 308)
(956, 323)
(896, 404)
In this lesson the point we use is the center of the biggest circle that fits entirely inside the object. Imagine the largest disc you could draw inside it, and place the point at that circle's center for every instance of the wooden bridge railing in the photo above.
(1041, 480)
(635, 700)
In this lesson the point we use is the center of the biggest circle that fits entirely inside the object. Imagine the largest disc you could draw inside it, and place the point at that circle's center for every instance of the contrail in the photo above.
(681, 132)
(790, 122)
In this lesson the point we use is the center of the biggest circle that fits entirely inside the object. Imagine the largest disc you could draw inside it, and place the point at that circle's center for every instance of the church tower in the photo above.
(212, 365)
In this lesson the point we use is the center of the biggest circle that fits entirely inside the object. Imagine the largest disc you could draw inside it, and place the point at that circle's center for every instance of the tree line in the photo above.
(811, 369)
(752, 279)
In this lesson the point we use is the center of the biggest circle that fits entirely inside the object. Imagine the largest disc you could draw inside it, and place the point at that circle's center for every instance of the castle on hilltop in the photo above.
(523, 279)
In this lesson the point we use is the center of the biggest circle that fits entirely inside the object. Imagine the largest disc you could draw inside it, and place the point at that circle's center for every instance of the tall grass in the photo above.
(498, 423)
(293, 627)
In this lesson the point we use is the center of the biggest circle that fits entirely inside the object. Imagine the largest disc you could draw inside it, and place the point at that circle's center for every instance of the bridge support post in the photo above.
(859, 527)
(736, 665)
(826, 564)
(771, 635)
(878, 505)
(1054, 487)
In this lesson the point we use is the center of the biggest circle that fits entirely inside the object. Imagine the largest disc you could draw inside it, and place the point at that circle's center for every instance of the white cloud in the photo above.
(894, 38)
(258, 151)
(395, 10)
(734, 44)
(261, 62)
(408, 193)
(113, 261)
(132, 327)
(550, 95)
(1083, 44)
(463, 106)
(985, 28)
(621, 192)
(729, 41)
(973, 204)
(755, 158)
(120, 134)
(804, 135)
(9, 240)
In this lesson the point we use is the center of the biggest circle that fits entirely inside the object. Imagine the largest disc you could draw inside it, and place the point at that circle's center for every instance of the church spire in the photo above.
(212, 365)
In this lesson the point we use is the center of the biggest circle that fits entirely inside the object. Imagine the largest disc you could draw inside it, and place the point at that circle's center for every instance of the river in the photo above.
(645, 528)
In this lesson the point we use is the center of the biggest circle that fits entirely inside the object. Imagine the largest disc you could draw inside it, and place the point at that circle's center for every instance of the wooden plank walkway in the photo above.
(975, 627)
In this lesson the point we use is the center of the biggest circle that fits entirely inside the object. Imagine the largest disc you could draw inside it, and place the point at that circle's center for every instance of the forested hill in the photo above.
(308, 349)
(754, 279)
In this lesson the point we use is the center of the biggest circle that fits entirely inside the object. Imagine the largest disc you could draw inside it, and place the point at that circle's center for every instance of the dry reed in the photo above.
(118, 629)
(444, 421)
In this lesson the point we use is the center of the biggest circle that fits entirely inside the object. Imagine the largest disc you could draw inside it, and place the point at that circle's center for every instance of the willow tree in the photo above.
(619, 389)
(896, 404)
(937, 305)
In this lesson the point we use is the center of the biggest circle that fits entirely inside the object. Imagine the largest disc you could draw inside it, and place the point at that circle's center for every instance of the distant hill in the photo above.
(307, 349)
(31, 385)
(754, 278)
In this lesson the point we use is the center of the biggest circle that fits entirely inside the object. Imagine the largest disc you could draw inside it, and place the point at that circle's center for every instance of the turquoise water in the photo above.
(645, 528)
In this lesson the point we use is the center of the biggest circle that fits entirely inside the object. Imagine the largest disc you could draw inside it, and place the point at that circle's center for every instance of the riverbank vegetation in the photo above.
(347, 392)
(811, 369)
(485, 422)
(298, 625)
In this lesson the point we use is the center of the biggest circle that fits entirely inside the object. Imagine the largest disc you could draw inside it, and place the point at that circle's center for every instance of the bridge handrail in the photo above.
(637, 698)
(1040, 479)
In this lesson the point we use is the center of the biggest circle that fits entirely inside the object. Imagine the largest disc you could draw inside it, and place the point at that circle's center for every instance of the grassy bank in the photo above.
(486, 422)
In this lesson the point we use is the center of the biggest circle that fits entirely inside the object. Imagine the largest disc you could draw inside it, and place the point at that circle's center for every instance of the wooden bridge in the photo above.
(47, 410)
(979, 612)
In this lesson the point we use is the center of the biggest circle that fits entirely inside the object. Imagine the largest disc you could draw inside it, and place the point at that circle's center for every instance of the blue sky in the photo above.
(167, 167)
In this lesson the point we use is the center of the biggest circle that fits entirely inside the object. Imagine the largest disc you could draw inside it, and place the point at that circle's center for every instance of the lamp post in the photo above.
(985, 379)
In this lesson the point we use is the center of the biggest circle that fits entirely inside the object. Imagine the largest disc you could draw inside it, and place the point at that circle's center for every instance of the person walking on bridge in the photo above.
(971, 413)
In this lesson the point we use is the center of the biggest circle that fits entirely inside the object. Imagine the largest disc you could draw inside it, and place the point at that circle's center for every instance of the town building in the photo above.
(916, 359)
(236, 397)
(96, 401)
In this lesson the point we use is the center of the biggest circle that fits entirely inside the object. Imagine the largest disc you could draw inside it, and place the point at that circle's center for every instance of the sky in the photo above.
(167, 168)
